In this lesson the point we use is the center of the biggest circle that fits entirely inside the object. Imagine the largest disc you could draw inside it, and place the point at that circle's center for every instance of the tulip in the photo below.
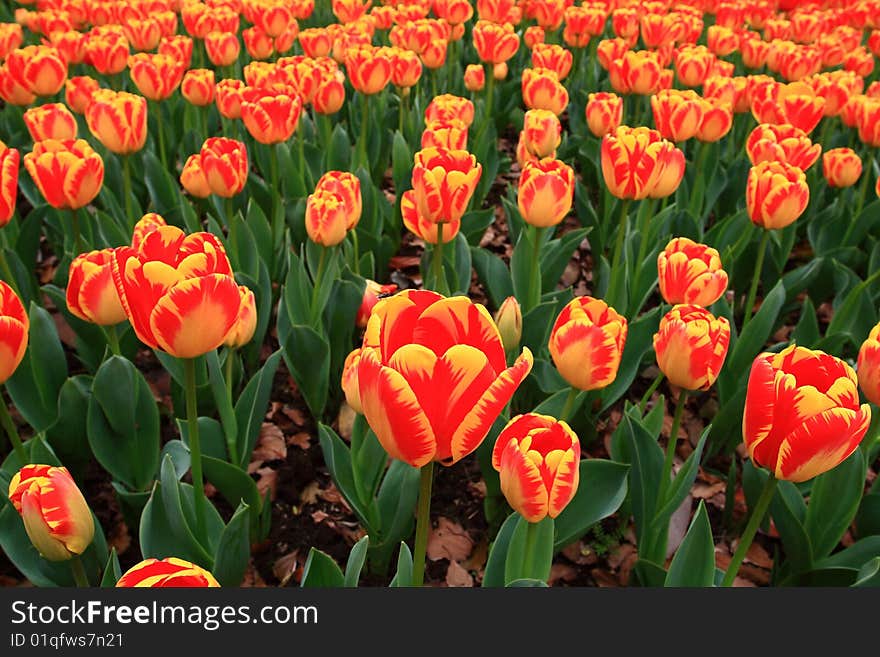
(631, 161)
(868, 366)
(39, 69)
(553, 57)
(537, 458)
(143, 35)
(197, 86)
(541, 89)
(170, 572)
(91, 294)
(193, 178)
(802, 415)
(14, 326)
(373, 291)
(546, 192)
(330, 94)
(542, 132)
(245, 325)
(178, 46)
(118, 120)
(450, 135)
(144, 226)
(447, 106)
(692, 64)
(782, 143)
(691, 345)
(717, 120)
(868, 122)
(534, 35)
(406, 69)
(78, 92)
(325, 218)
(444, 181)
(841, 167)
(222, 48)
(690, 273)
(424, 228)
(348, 187)
(369, 69)
(508, 318)
(11, 37)
(349, 381)
(55, 514)
(70, 44)
(495, 43)
(604, 112)
(108, 53)
(228, 98)
(68, 173)
(258, 44)
(776, 194)
(474, 77)
(9, 159)
(586, 343)
(270, 117)
(225, 165)
(635, 72)
(677, 114)
(315, 42)
(155, 76)
(12, 91)
(609, 50)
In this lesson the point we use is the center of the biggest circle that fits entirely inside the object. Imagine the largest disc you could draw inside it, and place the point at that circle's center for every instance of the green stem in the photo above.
(866, 173)
(616, 275)
(534, 297)
(650, 391)
(192, 416)
(303, 167)
(315, 311)
(569, 403)
(12, 432)
(402, 112)
(231, 225)
(437, 263)
(126, 189)
(645, 213)
(756, 277)
(113, 339)
(748, 535)
(277, 223)
(161, 131)
(79, 573)
(423, 523)
(670, 446)
(357, 251)
(490, 91)
(363, 157)
(77, 238)
(529, 550)
(227, 376)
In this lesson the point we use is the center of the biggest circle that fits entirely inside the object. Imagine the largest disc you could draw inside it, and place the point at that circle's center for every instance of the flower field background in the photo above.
(339, 293)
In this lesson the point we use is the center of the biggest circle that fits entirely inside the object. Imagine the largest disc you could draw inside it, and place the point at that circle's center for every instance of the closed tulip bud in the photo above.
(604, 112)
(11, 37)
(325, 218)
(546, 191)
(315, 42)
(586, 343)
(434, 55)
(258, 44)
(369, 69)
(776, 194)
(690, 273)
(178, 46)
(70, 44)
(143, 35)
(50, 121)
(330, 94)
(677, 114)
(717, 120)
(108, 53)
(533, 35)
(868, 366)
(447, 106)
(495, 43)
(91, 293)
(541, 89)
(118, 120)
(508, 318)
(170, 572)
(284, 41)
(68, 173)
(672, 168)
(691, 345)
(225, 164)
(55, 514)
(538, 460)
(802, 415)
(782, 143)
(499, 71)
(474, 77)
(270, 117)
(78, 92)
(245, 326)
(349, 382)
(14, 326)
(841, 167)
(373, 291)
(406, 69)
(197, 86)
(348, 187)
(144, 226)
(721, 40)
(542, 131)
(637, 71)
(9, 160)
(39, 69)
(178, 291)
(418, 342)
(633, 161)
(423, 227)
(12, 91)
(443, 182)
(228, 96)
(692, 64)
(155, 76)
(222, 48)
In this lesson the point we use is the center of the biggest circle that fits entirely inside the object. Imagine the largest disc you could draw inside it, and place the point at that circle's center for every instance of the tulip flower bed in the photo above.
(430, 292)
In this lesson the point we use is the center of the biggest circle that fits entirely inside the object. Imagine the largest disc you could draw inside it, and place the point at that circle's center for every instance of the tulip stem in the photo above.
(231, 226)
(423, 523)
(866, 173)
(670, 446)
(227, 377)
(315, 310)
(534, 296)
(751, 529)
(402, 112)
(79, 573)
(569, 403)
(113, 339)
(77, 238)
(362, 150)
(526, 570)
(490, 91)
(357, 250)
(277, 222)
(192, 416)
(616, 275)
(650, 391)
(756, 277)
(437, 263)
(126, 189)
(161, 131)
(12, 432)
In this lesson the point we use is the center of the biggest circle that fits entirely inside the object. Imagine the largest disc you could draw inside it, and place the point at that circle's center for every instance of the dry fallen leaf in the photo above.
(267, 481)
(457, 576)
(287, 566)
(270, 444)
(319, 516)
(561, 572)
(309, 494)
(300, 439)
(449, 540)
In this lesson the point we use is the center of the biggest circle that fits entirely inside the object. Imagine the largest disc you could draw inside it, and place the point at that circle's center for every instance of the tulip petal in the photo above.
(13, 344)
(565, 483)
(522, 483)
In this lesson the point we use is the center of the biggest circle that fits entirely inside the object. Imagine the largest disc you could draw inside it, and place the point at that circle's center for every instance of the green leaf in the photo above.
(788, 511)
(648, 574)
(250, 409)
(639, 342)
(356, 559)
(601, 491)
(868, 518)
(312, 375)
(404, 574)
(869, 574)
(834, 501)
(694, 561)
(753, 338)
(396, 503)
(530, 552)
(856, 316)
(233, 549)
(112, 571)
(493, 576)
(646, 459)
(236, 486)
(525, 582)
(224, 404)
(493, 273)
(68, 436)
(855, 556)
(337, 457)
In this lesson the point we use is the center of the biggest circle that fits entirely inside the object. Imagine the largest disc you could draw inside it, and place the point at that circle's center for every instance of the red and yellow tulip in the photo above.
(39, 69)
(443, 182)
(68, 173)
(118, 120)
(604, 112)
(270, 115)
(50, 121)
(782, 143)
(841, 167)
(170, 572)
(91, 294)
(776, 194)
(691, 345)
(546, 192)
(868, 366)
(14, 325)
(225, 165)
(690, 273)
(155, 76)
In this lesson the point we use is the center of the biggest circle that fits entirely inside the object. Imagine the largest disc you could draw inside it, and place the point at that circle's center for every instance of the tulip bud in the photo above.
(68, 173)
(350, 385)
(55, 514)
(495, 43)
(78, 92)
(509, 321)
(193, 179)
(118, 120)
(326, 218)
(39, 69)
(443, 182)
(225, 165)
(541, 89)
(222, 48)
(499, 71)
(348, 187)
(542, 131)
(369, 69)
(170, 572)
(447, 106)
(604, 112)
(9, 159)
(198, 86)
(144, 226)
(677, 114)
(841, 167)
(691, 345)
(537, 458)
(474, 77)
